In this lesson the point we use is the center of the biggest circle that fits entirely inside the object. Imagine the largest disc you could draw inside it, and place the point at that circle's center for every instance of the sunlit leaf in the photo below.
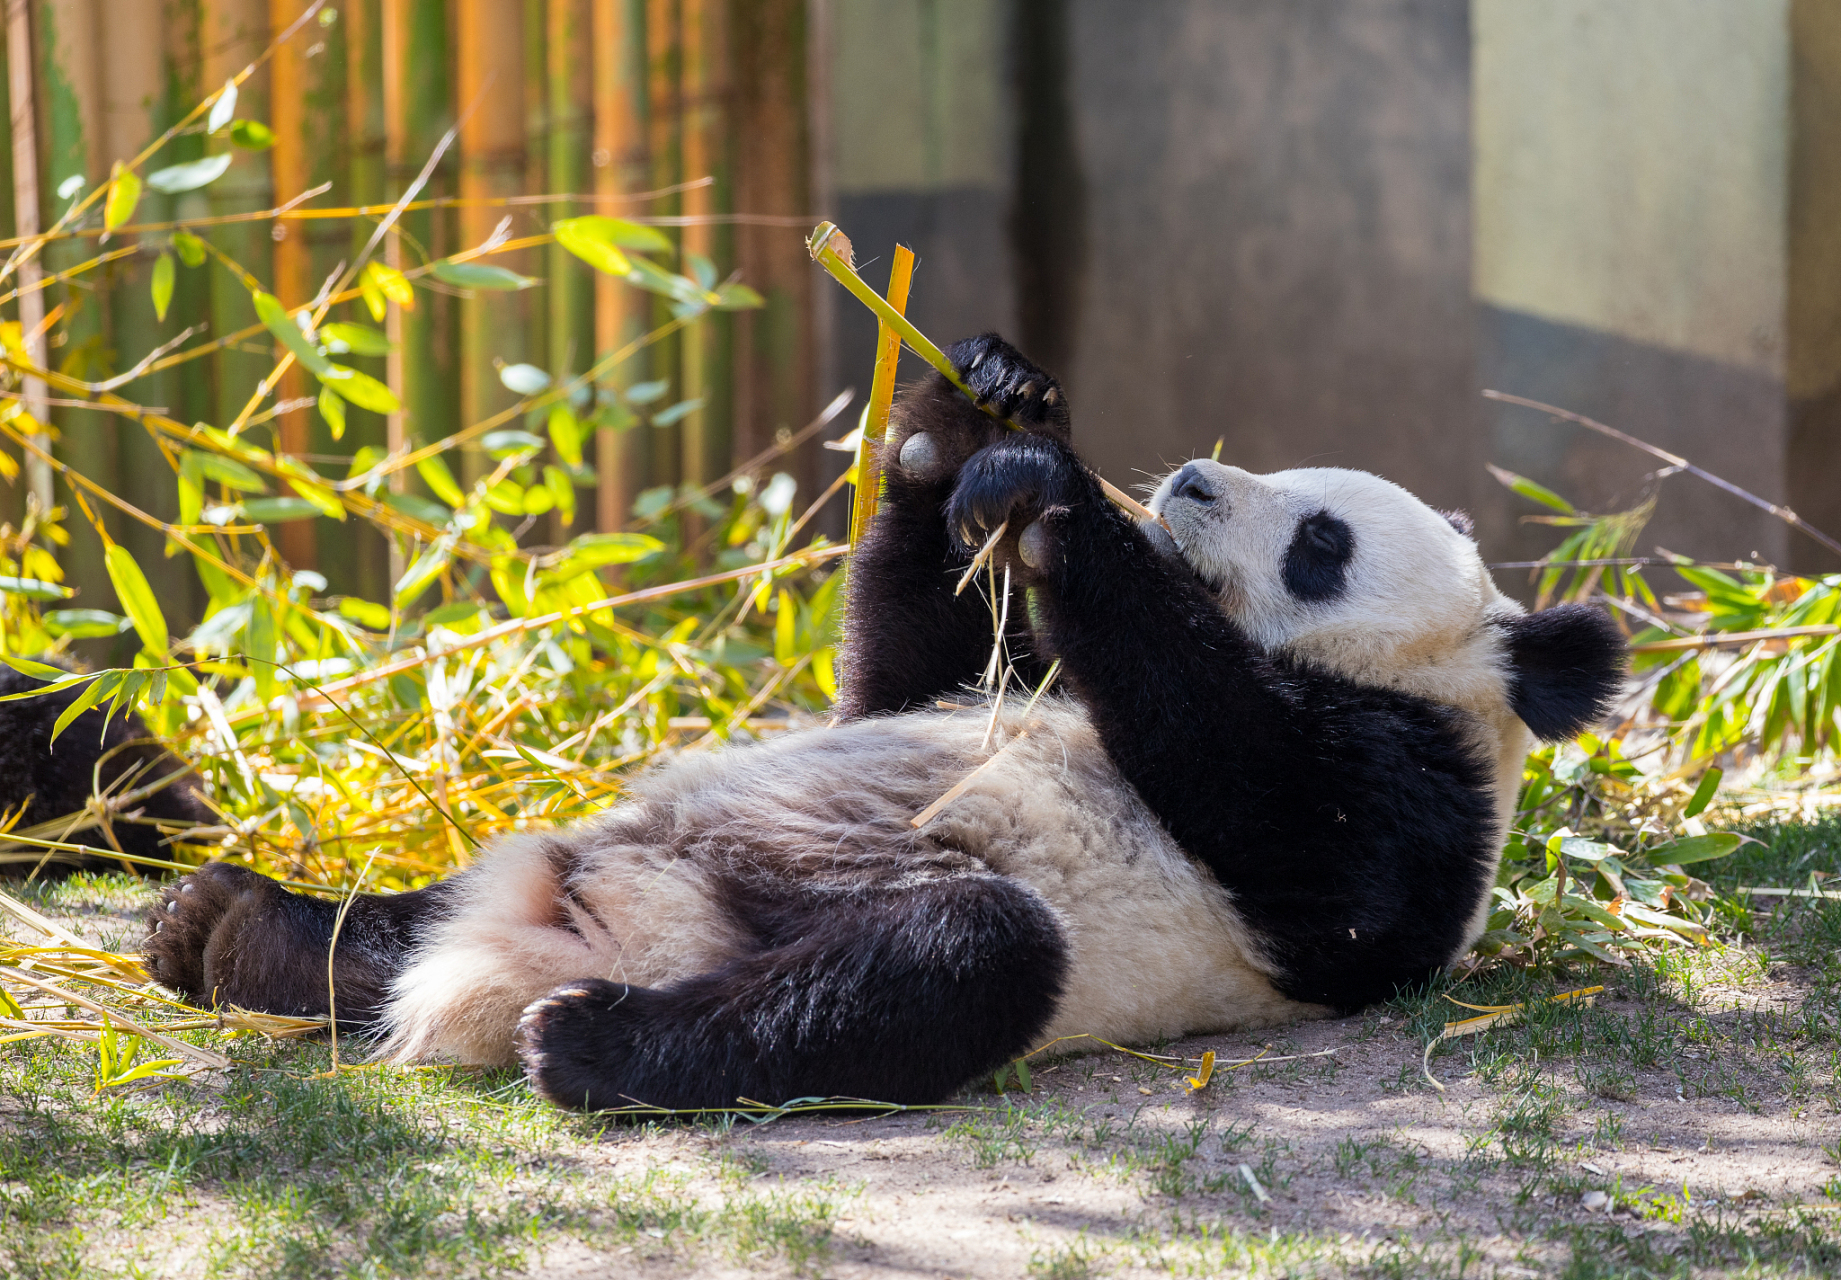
(276, 320)
(34, 588)
(332, 409)
(479, 275)
(393, 284)
(360, 340)
(137, 598)
(162, 286)
(85, 624)
(737, 297)
(251, 135)
(1533, 491)
(124, 195)
(589, 235)
(189, 176)
(374, 617)
(524, 379)
(279, 510)
(223, 109)
(95, 691)
(362, 389)
(1696, 849)
(565, 433)
(435, 474)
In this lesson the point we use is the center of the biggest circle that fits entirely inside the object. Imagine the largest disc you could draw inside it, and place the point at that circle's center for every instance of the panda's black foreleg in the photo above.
(225, 935)
(908, 638)
(896, 995)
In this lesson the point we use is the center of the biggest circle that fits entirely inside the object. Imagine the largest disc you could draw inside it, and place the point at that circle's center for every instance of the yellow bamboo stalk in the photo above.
(620, 167)
(489, 66)
(25, 219)
(881, 396)
(292, 169)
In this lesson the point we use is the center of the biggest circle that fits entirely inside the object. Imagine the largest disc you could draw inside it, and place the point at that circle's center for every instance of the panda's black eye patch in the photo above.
(1319, 551)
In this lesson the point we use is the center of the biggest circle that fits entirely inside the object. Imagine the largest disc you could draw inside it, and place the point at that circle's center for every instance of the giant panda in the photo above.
(112, 756)
(1270, 782)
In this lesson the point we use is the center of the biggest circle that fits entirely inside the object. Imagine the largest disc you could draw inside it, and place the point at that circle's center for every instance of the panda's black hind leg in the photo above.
(897, 995)
(225, 935)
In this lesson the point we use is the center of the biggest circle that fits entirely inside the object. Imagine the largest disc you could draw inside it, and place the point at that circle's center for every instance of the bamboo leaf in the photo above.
(588, 235)
(35, 588)
(436, 476)
(524, 379)
(137, 598)
(37, 670)
(162, 287)
(332, 409)
(393, 284)
(124, 195)
(276, 320)
(737, 297)
(323, 499)
(223, 109)
(565, 434)
(1533, 491)
(1696, 849)
(360, 340)
(132, 683)
(362, 390)
(1709, 783)
(85, 624)
(189, 176)
(479, 275)
(261, 639)
(101, 687)
(251, 135)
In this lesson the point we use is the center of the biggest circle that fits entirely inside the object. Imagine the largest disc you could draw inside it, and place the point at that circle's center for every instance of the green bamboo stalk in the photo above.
(621, 165)
(416, 114)
(489, 91)
(569, 76)
(664, 71)
(70, 106)
(365, 177)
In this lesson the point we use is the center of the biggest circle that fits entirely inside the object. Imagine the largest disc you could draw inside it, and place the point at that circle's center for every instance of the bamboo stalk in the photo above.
(292, 168)
(830, 249)
(25, 225)
(705, 430)
(621, 165)
(489, 72)
(569, 85)
(881, 398)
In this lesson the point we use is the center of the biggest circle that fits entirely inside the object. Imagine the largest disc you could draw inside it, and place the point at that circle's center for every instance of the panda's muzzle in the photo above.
(1191, 485)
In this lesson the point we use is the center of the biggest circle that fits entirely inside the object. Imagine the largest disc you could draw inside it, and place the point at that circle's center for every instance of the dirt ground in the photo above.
(1689, 1123)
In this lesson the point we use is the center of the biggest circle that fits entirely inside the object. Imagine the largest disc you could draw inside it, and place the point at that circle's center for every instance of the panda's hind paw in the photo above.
(575, 1042)
(181, 925)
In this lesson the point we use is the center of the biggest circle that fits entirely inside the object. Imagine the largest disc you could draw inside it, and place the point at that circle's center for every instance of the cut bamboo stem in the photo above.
(830, 249)
(881, 399)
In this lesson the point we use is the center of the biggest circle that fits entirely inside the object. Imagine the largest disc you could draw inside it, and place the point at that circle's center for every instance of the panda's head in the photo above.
(1353, 574)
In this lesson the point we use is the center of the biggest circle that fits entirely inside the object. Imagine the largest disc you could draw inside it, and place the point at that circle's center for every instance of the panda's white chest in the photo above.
(1157, 947)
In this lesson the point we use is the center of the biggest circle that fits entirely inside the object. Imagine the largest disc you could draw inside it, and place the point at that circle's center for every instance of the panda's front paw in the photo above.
(1003, 380)
(935, 429)
(1018, 482)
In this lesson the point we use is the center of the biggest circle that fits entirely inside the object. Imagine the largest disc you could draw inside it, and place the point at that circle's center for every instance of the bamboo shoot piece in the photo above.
(830, 249)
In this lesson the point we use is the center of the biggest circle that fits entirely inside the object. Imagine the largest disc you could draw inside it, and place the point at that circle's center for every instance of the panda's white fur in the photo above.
(1157, 947)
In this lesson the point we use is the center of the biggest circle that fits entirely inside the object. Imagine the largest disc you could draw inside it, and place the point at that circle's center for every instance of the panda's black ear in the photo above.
(1461, 521)
(1566, 668)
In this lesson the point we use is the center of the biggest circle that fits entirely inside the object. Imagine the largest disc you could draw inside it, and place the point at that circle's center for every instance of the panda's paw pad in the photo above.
(570, 1042)
(181, 924)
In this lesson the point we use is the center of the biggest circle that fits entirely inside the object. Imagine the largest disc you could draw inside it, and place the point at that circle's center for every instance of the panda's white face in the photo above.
(1342, 568)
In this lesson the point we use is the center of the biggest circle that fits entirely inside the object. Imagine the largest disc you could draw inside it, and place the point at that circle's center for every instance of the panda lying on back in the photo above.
(1285, 744)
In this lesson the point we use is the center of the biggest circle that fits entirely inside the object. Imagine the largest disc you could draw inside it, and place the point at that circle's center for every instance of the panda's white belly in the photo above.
(1157, 947)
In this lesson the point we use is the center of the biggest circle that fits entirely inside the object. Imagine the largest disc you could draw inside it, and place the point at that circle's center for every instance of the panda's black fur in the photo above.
(56, 780)
(1334, 840)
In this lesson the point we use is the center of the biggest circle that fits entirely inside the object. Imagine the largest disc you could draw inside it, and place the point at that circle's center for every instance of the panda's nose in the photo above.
(1191, 484)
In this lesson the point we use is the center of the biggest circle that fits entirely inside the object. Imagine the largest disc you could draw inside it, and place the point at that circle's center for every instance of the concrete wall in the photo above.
(1317, 231)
